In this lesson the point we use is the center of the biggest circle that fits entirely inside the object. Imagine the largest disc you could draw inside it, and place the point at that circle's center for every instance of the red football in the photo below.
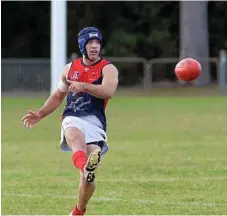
(188, 69)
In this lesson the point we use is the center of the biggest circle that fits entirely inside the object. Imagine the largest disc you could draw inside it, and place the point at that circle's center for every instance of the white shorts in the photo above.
(90, 127)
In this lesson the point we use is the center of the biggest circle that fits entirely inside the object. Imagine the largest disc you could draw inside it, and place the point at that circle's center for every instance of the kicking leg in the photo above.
(76, 141)
(87, 165)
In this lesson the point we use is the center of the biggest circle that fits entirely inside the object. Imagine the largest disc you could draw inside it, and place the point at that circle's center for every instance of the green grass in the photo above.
(167, 155)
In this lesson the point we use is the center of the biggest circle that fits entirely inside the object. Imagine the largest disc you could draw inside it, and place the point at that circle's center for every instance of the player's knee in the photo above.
(75, 139)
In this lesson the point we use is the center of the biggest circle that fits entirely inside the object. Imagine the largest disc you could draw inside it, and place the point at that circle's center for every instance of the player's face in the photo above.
(93, 49)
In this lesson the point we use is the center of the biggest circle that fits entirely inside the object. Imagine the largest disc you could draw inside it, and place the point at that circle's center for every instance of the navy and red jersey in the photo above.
(83, 103)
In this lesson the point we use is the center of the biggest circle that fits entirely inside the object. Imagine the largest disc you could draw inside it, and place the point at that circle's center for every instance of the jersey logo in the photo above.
(93, 76)
(75, 75)
(79, 104)
(93, 34)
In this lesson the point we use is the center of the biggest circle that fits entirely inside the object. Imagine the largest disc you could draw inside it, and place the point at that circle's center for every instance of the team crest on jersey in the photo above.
(94, 74)
(75, 75)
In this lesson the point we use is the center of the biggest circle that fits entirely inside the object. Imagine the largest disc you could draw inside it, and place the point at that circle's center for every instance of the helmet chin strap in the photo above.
(86, 56)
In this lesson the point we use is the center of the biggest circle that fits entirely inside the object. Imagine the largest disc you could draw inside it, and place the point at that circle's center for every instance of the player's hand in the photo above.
(31, 118)
(75, 87)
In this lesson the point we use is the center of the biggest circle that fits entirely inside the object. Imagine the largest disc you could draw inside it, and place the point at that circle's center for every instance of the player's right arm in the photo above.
(52, 103)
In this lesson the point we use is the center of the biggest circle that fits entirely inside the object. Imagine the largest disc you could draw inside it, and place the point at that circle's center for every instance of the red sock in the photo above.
(77, 212)
(79, 159)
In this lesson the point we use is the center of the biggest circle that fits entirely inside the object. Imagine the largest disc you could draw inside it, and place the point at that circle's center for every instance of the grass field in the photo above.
(168, 155)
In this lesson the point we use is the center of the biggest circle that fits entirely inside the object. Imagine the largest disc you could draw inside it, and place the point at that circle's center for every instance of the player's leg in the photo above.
(77, 133)
(74, 132)
(76, 141)
(86, 189)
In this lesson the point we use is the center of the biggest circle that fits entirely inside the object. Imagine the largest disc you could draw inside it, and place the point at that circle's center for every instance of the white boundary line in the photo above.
(169, 179)
(125, 215)
(102, 199)
(108, 215)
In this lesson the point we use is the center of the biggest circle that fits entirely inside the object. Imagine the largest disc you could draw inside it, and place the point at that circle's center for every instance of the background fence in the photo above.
(34, 74)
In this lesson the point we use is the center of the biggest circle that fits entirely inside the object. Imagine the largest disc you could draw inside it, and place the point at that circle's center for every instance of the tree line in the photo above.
(144, 29)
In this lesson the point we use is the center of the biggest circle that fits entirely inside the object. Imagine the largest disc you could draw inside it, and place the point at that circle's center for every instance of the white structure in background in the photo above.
(58, 40)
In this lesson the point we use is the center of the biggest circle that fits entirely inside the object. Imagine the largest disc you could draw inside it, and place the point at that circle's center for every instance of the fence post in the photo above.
(147, 78)
(222, 72)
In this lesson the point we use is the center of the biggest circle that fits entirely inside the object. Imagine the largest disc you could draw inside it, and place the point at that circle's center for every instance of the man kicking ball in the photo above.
(88, 82)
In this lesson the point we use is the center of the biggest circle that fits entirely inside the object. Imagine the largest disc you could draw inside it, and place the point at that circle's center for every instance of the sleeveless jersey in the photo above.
(83, 103)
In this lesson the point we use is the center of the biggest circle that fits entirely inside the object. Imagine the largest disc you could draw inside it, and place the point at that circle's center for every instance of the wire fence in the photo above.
(35, 74)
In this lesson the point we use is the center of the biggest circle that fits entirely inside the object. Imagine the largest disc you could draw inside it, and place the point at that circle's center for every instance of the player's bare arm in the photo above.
(104, 91)
(52, 103)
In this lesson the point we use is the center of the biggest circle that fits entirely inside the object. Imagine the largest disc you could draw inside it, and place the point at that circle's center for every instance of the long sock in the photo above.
(77, 212)
(79, 159)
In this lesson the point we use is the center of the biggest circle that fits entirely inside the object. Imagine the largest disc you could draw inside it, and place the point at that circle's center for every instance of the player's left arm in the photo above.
(109, 83)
